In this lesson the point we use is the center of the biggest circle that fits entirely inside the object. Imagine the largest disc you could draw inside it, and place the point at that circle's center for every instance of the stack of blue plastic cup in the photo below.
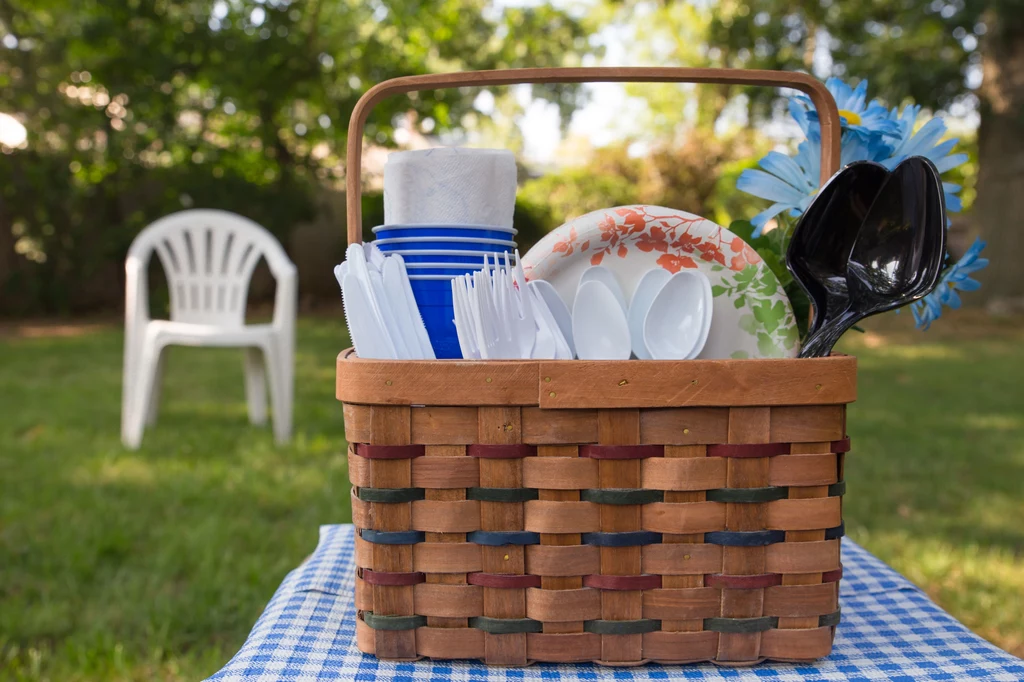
(434, 255)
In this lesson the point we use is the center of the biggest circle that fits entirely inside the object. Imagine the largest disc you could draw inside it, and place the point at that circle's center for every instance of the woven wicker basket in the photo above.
(618, 512)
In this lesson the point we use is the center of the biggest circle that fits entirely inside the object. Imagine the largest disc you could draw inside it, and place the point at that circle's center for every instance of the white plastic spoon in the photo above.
(599, 324)
(599, 273)
(646, 289)
(677, 324)
(560, 314)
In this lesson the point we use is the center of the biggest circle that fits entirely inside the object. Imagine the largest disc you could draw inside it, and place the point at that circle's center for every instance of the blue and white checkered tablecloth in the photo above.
(890, 631)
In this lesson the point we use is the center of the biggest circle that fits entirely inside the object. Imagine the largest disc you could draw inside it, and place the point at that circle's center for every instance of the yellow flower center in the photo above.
(851, 118)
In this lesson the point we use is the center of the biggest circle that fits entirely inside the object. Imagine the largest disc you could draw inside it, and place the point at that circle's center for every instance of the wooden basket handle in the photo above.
(823, 102)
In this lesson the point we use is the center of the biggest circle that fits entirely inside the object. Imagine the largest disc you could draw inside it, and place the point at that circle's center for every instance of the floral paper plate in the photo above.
(751, 317)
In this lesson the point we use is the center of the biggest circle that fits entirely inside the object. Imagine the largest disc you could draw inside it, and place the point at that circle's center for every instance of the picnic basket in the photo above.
(618, 512)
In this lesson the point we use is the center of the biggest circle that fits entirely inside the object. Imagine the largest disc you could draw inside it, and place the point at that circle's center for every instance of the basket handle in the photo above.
(823, 102)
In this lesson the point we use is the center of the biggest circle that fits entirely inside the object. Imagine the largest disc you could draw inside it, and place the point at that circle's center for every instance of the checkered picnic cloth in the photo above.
(889, 631)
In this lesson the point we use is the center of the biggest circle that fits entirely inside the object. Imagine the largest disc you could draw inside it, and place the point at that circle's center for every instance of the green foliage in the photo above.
(886, 41)
(692, 171)
(135, 109)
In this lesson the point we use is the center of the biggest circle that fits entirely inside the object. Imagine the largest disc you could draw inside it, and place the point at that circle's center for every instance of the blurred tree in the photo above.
(930, 50)
(136, 108)
(695, 172)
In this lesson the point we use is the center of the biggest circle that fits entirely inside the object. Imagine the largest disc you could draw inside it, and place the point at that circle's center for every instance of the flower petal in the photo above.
(761, 184)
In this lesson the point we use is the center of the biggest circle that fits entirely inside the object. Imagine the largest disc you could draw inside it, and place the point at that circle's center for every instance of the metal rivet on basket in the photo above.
(547, 379)
(388, 382)
(817, 387)
(686, 430)
(686, 556)
(623, 382)
(694, 382)
(506, 557)
(551, 395)
(488, 380)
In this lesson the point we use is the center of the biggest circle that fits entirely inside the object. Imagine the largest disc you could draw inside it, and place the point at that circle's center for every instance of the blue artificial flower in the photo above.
(870, 133)
(956, 278)
(789, 182)
(856, 115)
(792, 182)
(926, 142)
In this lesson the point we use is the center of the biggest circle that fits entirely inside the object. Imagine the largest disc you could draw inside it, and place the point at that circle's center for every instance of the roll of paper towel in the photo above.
(450, 185)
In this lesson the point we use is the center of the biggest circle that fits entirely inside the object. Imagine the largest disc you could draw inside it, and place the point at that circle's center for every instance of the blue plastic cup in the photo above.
(445, 271)
(455, 257)
(454, 230)
(483, 246)
(434, 300)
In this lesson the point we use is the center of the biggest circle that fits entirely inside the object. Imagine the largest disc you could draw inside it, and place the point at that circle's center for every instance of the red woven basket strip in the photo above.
(832, 576)
(622, 451)
(622, 582)
(389, 451)
(503, 581)
(502, 451)
(758, 450)
(840, 446)
(743, 582)
(391, 577)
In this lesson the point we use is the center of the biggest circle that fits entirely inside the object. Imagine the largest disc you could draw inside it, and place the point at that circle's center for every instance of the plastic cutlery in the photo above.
(677, 323)
(387, 312)
(646, 289)
(599, 273)
(524, 327)
(374, 256)
(399, 293)
(394, 294)
(560, 317)
(599, 323)
(368, 337)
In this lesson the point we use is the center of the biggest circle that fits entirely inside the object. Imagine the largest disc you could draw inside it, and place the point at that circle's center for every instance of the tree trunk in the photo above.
(1000, 202)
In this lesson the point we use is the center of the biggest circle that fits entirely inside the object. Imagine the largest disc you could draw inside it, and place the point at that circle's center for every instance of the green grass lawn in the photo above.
(153, 565)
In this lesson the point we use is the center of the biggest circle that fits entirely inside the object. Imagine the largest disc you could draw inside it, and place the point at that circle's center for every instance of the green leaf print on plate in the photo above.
(772, 323)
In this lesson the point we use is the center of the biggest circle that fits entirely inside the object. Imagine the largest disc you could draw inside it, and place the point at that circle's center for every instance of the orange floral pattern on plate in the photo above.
(670, 235)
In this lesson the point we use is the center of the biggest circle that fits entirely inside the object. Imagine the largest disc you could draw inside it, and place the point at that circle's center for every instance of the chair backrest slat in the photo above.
(209, 257)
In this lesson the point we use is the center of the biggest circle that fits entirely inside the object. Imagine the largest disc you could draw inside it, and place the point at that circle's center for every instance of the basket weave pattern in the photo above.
(518, 533)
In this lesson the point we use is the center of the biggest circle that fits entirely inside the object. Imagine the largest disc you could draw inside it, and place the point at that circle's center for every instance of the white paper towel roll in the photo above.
(450, 185)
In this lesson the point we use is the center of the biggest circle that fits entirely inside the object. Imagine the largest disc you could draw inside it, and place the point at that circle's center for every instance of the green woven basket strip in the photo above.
(390, 495)
(749, 495)
(393, 622)
(829, 619)
(622, 496)
(622, 627)
(741, 625)
(501, 494)
(837, 489)
(505, 626)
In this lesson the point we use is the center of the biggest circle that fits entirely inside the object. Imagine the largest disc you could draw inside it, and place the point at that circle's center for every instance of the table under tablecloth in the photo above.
(890, 630)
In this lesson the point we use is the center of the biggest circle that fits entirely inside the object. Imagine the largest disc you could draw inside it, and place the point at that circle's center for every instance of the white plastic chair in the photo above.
(208, 257)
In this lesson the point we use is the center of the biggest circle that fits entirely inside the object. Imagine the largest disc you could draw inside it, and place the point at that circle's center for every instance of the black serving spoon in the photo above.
(899, 252)
(824, 236)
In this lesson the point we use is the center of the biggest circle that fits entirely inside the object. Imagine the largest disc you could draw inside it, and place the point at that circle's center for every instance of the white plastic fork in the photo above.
(524, 327)
(464, 326)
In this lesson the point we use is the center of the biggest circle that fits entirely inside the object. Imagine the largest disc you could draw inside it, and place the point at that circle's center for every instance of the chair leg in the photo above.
(128, 380)
(256, 384)
(281, 370)
(141, 394)
(158, 387)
